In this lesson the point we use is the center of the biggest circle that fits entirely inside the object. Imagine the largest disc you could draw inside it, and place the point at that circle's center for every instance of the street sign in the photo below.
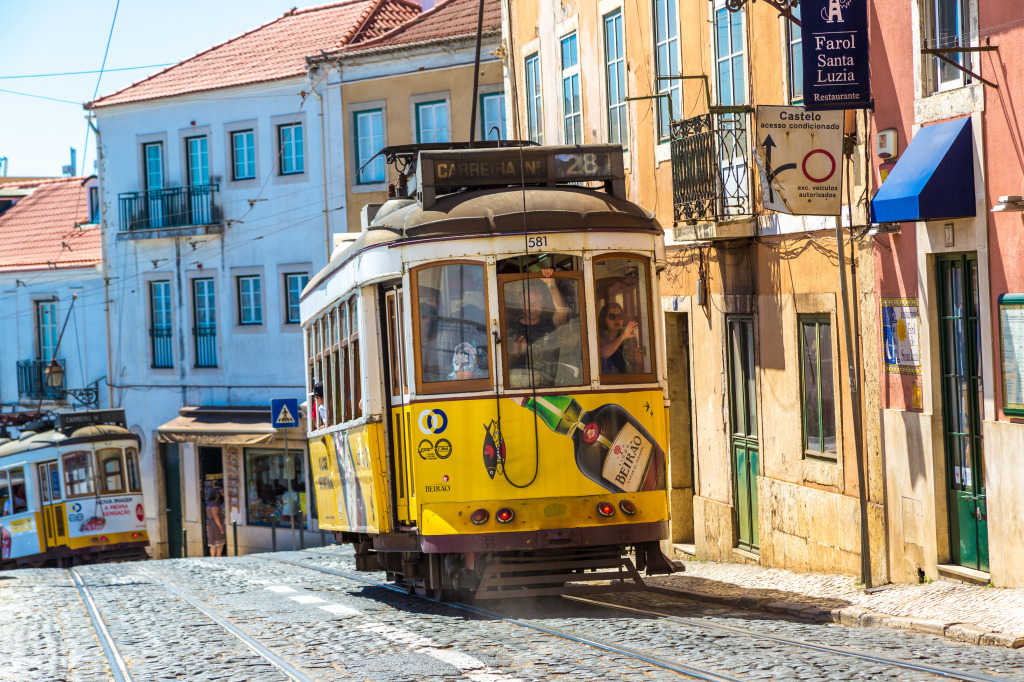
(284, 412)
(800, 158)
(837, 73)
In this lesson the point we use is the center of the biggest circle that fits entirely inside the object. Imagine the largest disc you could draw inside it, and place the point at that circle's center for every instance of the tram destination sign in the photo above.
(68, 421)
(505, 166)
(837, 72)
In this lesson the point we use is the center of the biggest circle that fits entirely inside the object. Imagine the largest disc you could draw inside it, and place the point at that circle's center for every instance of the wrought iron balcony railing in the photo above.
(206, 345)
(711, 167)
(163, 356)
(32, 381)
(173, 207)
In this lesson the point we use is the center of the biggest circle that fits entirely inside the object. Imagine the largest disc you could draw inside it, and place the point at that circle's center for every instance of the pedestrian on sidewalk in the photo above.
(216, 538)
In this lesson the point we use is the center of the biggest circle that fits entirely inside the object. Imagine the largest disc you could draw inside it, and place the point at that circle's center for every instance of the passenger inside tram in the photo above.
(453, 337)
(621, 294)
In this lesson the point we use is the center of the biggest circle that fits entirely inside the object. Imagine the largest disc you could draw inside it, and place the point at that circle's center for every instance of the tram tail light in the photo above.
(605, 509)
(505, 515)
(627, 507)
(103, 538)
(135, 535)
(480, 517)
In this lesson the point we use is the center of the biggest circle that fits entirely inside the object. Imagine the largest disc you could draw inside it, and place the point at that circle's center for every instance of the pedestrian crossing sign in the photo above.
(284, 412)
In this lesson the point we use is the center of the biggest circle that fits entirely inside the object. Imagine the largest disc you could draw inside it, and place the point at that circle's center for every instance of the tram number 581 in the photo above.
(536, 242)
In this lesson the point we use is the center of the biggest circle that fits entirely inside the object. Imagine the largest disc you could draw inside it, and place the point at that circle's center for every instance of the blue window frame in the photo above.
(492, 116)
(161, 345)
(289, 140)
(729, 55)
(243, 155)
(432, 122)
(666, 63)
(250, 300)
(534, 110)
(794, 37)
(572, 112)
(369, 139)
(294, 283)
(615, 79)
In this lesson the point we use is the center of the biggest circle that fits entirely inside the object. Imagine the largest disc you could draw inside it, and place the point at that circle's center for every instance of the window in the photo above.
(111, 470)
(534, 111)
(816, 386)
(732, 89)
(94, 205)
(294, 283)
(204, 316)
(492, 116)
(540, 301)
(153, 155)
(571, 112)
(267, 488)
(78, 479)
(452, 338)
(621, 296)
(289, 148)
(794, 36)
(160, 324)
(615, 77)
(13, 492)
(333, 342)
(131, 458)
(666, 63)
(46, 330)
(369, 134)
(250, 301)
(243, 155)
(947, 28)
(198, 161)
(432, 122)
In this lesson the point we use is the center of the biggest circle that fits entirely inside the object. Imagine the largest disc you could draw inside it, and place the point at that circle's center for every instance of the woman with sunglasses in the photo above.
(614, 331)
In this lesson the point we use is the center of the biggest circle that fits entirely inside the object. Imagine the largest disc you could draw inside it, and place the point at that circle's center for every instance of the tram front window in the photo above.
(13, 492)
(78, 478)
(541, 300)
(623, 322)
(452, 333)
(111, 474)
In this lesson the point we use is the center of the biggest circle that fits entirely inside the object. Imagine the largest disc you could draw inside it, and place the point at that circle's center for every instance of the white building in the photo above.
(219, 200)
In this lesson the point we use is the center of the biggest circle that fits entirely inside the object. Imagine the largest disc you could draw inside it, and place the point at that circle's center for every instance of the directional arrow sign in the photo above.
(799, 158)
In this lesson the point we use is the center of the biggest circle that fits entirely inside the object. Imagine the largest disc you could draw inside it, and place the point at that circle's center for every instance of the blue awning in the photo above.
(934, 179)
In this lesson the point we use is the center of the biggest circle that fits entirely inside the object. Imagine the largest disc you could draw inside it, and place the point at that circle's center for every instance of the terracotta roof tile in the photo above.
(34, 232)
(450, 20)
(273, 51)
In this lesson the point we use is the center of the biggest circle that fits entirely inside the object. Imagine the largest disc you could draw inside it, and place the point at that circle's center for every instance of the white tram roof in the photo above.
(44, 439)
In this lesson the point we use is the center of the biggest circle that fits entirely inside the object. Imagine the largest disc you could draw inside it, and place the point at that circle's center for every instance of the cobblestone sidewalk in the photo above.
(965, 613)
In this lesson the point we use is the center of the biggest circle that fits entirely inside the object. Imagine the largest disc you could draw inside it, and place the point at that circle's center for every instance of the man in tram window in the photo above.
(543, 310)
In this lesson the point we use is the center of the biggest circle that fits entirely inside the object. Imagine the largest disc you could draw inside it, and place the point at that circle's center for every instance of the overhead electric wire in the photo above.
(83, 73)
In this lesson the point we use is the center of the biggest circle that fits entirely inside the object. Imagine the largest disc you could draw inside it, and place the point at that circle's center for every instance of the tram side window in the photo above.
(541, 300)
(131, 459)
(78, 478)
(111, 470)
(13, 491)
(355, 395)
(451, 335)
(621, 296)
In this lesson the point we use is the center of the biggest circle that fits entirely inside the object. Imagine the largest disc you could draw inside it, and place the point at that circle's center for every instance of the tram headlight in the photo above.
(480, 517)
(605, 509)
(627, 507)
(505, 515)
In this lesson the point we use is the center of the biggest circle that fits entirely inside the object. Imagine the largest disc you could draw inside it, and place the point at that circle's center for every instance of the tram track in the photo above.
(116, 661)
(661, 662)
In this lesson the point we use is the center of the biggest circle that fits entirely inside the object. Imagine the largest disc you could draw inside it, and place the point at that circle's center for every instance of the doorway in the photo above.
(211, 473)
(962, 395)
(677, 344)
(743, 425)
(170, 457)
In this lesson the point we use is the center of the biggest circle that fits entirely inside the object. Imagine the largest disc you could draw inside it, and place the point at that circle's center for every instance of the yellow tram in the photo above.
(487, 376)
(70, 492)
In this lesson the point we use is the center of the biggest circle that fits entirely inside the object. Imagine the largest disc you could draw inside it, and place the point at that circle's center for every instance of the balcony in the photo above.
(173, 212)
(711, 171)
(161, 346)
(32, 381)
(205, 337)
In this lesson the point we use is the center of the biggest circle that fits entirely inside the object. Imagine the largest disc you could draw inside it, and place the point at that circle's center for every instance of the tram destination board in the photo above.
(507, 166)
(76, 420)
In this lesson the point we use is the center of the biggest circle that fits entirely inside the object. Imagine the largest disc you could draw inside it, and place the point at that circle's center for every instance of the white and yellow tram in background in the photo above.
(70, 492)
(488, 406)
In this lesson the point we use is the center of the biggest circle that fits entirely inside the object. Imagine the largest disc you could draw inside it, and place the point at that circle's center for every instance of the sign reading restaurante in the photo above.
(835, 53)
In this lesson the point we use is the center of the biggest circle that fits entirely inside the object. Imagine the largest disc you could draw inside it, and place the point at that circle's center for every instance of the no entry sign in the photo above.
(799, 156)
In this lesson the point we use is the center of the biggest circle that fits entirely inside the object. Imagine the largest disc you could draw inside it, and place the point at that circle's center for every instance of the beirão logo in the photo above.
(433, 421)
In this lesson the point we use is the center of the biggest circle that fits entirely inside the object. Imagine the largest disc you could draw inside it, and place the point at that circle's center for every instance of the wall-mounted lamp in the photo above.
(1009, 204)
(887, 144)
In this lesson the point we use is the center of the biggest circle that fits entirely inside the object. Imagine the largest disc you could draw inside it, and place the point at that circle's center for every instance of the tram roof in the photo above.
(491, 213)
(51, 437)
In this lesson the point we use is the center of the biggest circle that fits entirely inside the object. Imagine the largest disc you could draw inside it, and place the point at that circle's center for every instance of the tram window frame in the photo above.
(448, 385)
(44, 483)
(5, 494)
(340, 376)
(90, 478)
(356, 395)
(103, 455)
(575, 275)
(131, 468)
(631, 378)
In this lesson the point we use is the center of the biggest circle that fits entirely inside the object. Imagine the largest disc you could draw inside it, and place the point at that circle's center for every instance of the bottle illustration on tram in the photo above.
(613, 449)
(352, 490)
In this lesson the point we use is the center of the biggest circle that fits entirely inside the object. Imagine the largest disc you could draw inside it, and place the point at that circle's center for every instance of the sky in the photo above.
(60, 36)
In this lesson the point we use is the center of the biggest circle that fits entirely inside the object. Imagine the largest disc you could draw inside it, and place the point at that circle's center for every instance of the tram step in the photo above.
(558, 573)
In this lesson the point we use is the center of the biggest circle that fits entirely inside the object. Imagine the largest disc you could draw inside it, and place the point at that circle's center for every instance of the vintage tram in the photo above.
(70, 492)
(488, 407)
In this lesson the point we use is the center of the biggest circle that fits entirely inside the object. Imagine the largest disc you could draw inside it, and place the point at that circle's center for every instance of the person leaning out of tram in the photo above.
(618, 353)
(544, 311)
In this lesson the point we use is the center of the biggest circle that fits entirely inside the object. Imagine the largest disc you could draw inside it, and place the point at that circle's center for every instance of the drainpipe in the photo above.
(323, 167)
(91, 118)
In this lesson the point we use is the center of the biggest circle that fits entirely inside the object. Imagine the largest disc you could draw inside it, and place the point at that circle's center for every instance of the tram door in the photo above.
(400, 415)
(54, 517)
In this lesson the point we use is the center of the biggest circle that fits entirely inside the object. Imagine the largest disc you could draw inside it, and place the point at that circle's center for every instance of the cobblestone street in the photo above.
(259, 618)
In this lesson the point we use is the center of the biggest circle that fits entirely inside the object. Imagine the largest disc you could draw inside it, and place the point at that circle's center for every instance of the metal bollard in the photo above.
(323, 538)
(184, 543)
(273, 533)
(302, 536)
(234, 534)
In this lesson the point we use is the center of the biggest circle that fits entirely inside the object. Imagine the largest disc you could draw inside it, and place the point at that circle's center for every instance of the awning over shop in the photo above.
(933, 180)
(219, 426)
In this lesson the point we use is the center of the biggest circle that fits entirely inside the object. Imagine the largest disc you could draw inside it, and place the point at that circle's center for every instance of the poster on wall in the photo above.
(901, 336)
(837, 73)
(1011, 340)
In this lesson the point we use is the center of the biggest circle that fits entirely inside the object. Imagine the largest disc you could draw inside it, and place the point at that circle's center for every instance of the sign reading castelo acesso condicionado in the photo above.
(837, 73)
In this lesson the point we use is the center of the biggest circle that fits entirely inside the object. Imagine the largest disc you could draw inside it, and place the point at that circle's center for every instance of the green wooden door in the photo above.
(743, 425)
(172, 492)
(960, 335)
